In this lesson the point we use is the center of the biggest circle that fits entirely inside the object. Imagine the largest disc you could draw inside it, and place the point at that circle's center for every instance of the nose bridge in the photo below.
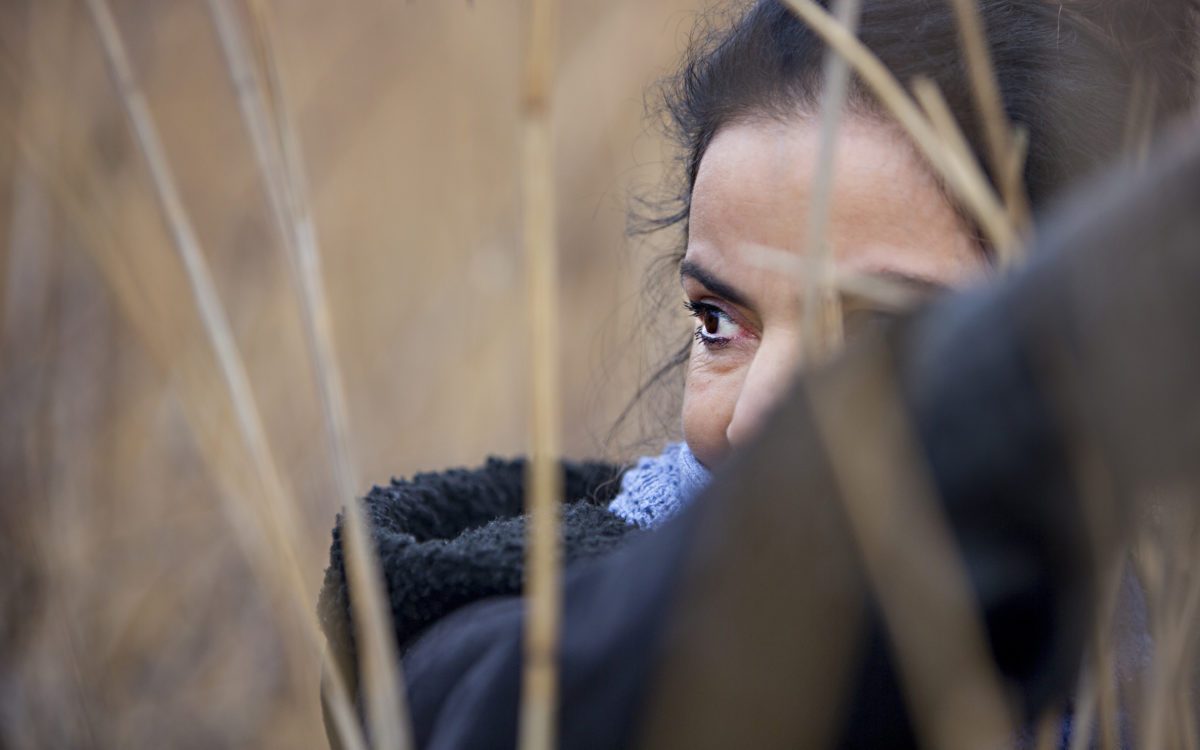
(775, 364)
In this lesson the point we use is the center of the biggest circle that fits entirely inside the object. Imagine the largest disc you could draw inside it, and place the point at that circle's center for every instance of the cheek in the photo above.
(709, 397)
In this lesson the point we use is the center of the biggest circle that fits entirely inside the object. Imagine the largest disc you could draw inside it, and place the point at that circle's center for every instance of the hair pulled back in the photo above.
(1071, 73)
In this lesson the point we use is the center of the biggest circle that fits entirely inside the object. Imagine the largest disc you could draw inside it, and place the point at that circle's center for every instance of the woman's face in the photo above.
(887, 216)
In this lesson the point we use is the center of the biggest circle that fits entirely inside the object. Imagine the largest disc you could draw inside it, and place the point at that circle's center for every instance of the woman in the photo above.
(743, 108)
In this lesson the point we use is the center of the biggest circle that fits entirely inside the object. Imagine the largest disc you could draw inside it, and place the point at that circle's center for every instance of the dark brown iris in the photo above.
(711, 322)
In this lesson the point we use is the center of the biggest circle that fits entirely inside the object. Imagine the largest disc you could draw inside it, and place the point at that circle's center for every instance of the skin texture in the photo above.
(888, 216)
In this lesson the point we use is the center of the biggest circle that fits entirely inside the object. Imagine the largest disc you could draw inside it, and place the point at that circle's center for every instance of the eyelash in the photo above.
(698, 310)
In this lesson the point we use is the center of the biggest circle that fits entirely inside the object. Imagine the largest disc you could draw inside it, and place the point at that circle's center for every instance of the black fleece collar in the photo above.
(451, 538)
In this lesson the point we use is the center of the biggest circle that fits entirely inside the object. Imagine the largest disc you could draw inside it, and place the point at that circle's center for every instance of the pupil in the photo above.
(711, 323)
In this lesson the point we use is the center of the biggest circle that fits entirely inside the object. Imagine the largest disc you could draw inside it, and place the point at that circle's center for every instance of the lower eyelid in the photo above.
(713, 343)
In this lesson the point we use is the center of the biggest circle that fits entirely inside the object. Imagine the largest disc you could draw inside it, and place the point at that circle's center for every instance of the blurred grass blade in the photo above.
(998, 132)
(537, 725)
(880, 290)
(277, 516)
(929, 96)
(377, 654)
(1139, 118)
(1171, 559)
(952, 687)
(821, 329)
(1049, 730)
(1084, 718)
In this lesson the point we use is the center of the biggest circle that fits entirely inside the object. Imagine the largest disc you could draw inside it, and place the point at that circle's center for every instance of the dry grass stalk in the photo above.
(945, 665)
(1018, 155)
(929, 96)
(27, 267)
(1187, 711)
(99, 239)
(882, 291)
(822, 313)
(275, 516)
(1108, 709)
(1085, 709)
(1103, 658)
(285, 187)
(965, 179)
(544, 481)
(1049, 731)
(997, 130)
(1169, 558)
(32, 312)
(1139, 119)
(27, 272)
(1097, 709)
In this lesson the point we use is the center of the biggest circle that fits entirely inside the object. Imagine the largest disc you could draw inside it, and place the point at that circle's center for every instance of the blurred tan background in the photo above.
(131, 618)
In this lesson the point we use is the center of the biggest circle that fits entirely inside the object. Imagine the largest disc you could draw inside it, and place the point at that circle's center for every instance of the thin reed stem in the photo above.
(539, 699)
(1049, 730)
(965, 179)
(1139, 118)
(929, 96)
(822, 309)
(99, 240)
(1176, 629)
(911, 562)
(997, 130)
(33, 308)
(285, 187)
(1018, 156)
(1103, 659)
(276, 516)
(1085, 709)
(882, 291)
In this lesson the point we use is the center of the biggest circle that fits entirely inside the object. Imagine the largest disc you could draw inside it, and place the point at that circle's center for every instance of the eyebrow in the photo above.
(691, 270)
(922, 284)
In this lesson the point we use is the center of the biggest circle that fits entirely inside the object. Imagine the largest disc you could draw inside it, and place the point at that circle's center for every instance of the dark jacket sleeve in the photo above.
(754, 593)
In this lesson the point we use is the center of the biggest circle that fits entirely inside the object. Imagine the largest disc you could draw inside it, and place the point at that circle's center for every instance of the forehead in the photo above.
(887, 213)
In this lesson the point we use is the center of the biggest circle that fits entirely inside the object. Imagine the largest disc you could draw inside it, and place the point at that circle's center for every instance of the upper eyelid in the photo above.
(734, 316)
(697, 305)
(695, 288)
(701, 305)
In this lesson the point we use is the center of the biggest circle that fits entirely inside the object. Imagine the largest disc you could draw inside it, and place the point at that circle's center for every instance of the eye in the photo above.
(716, 327)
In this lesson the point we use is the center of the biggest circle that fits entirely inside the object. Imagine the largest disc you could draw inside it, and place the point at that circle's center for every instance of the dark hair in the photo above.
(1067, 71)
(1075, 74)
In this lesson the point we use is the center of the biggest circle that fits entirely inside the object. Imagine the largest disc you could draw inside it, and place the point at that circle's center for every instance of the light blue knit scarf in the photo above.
(657, 487)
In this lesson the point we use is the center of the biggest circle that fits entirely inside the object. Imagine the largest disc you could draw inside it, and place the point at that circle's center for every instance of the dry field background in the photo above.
(131, 618)
(129, 614)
